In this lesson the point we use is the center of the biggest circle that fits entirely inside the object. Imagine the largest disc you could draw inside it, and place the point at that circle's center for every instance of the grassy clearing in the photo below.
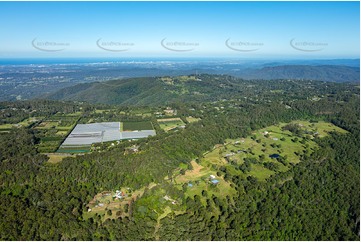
(102, 110)
(6, 126)
(105, 201)
(47, 125)
(56, 157)
(265, 142)
(197, 172)
(62, 132)
(192, 119)
(170, 123)
(261, 173)
(71, 149)
(198, 180)
(25, 123)
(323, 128)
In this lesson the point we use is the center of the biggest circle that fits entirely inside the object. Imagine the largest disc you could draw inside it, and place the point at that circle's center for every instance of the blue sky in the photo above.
(188, 29)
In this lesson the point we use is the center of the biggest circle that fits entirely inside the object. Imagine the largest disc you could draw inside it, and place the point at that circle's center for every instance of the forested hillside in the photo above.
(329, 73)
(154, 91)
(315, 198)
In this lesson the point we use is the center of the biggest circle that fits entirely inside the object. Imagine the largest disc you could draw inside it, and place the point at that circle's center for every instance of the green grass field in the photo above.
(192, 119)
(24, 123)
(144, 125)
(170, 123)
(6, 126)
(79, 149)
(57, 157)
(267, 141)
(199, 178)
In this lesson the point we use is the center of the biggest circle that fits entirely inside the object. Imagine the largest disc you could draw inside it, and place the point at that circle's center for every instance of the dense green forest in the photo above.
(315, 199)
(154, 91)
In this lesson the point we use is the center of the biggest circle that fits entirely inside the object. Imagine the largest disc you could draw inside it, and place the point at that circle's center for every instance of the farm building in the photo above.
(88, 134)
(136, 134)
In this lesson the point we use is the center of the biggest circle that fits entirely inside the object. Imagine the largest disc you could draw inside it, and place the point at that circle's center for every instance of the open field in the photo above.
(6, 127)
(53, 130)
(272, 140)
(170, 123)
(57, 157)
(131, 126)
(192, 119)
(79, 149)
(24, 123)
(198, 180)
(197, 172)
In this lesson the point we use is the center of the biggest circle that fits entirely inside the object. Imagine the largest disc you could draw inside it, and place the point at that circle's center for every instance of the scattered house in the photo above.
(190, 184)
(212, 176)
(132, 149)
(101, 204)
(237, 142)
(214, 181)
(228, 155)
(118, 194)
(265, 133)
(169, 199)
(170, 111)
(275, 138)
(89, 209)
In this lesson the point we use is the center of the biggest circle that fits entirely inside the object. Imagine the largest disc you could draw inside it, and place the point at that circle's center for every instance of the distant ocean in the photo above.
(267, 62)
(49, 61)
